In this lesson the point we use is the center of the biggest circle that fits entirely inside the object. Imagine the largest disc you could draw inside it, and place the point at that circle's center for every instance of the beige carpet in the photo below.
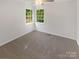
(38, 45)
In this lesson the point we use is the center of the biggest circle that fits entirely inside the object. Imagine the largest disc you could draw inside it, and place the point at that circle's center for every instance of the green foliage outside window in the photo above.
(40, 15)
(28, 15)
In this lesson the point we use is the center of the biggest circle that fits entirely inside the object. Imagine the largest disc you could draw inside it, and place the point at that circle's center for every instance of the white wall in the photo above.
(60, 18)
(61, 21)
(12, 20)
(78, 22)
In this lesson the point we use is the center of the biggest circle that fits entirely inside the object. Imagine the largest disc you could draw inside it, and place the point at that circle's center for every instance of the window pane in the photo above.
(28, 15)
(40, 15)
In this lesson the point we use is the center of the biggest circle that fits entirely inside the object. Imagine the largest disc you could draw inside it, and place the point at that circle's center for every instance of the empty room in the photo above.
(39, 29)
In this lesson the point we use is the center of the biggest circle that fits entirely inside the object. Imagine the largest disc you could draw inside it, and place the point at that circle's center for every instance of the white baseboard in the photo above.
(78, 43)
(15, 38)
(57, 34)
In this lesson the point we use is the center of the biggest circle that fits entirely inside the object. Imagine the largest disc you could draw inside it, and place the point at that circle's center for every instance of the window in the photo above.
(28, 15)
(40, 15)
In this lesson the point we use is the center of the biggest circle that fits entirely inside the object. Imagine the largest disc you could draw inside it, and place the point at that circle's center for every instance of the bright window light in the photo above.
(38, 2)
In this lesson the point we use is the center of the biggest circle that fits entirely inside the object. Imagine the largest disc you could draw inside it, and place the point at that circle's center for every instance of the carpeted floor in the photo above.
(38, 45)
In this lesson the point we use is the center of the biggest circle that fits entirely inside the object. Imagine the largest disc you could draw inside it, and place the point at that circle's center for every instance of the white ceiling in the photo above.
(62, 0)
(51, 0)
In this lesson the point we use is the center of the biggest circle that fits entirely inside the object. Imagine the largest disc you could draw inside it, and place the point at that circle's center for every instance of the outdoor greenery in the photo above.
(40, 15)
(28, 15)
